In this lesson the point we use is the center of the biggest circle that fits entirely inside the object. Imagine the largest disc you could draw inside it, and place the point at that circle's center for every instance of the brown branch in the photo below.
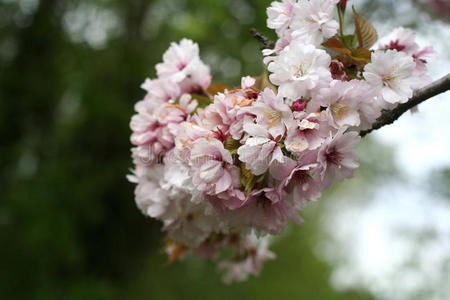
(265, 42)
(390, 116)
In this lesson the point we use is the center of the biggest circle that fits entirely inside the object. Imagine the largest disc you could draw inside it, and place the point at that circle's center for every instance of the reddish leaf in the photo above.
(215, 88)
(177, 250)
(366, 33)
(337, 46)
(361, 56)
(263, 82)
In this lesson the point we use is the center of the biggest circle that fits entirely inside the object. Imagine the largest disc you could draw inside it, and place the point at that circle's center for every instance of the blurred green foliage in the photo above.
(69, 75)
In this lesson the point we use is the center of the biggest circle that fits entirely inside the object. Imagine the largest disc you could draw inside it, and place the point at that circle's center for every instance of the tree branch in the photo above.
(390, 116)
(265, 42)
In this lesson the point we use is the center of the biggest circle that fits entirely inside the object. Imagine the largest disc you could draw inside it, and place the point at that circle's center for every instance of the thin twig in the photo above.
(265, 42)
(390, 116)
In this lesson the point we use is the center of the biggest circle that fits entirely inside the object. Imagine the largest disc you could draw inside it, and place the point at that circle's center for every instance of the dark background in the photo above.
(70, 73)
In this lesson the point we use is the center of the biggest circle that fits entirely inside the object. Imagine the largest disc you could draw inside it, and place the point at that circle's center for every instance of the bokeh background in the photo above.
(70, 72)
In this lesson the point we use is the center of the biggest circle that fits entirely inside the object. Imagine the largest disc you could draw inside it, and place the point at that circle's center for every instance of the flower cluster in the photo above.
(225, 167)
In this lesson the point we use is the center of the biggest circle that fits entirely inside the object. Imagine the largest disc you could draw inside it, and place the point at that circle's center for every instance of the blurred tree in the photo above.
(70, 72)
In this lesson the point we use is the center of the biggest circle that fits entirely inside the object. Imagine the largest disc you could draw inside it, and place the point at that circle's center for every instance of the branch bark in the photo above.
(265, 42)
(390, 116)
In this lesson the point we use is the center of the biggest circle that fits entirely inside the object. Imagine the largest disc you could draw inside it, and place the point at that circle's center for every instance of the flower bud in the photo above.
(299, 105)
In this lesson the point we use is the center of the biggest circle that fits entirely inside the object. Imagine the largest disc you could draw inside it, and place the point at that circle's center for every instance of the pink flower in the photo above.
(302, 184)
(342, 100)
(314, 20)
(231, 199)
(212, 165)
(156, 128)
(188, 134)
(337, 69)
(251, 259)
(270, 54)
(260, 149)
(228, 110)
(160, 90)
(337, 158)
(390, 75)
(182, 64)
(193, 224)
(299, 105)
(151, 198)
(401, 39)
(420, 58)
(272, 113)
(266, 211)
(280, 14)
(299, 69)
(176, 113)
(305, 132)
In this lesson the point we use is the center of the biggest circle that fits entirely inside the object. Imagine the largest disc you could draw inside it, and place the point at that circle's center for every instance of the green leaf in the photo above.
(232, 145)
(202, 100)
(350, 41)
(365, 32)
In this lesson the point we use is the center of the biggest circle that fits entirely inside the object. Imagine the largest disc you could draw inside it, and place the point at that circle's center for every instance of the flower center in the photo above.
(181, 66)
(300, 72)
(395, 45)
(334, 157)
(339, 110)
(273, 116)
(387, 80)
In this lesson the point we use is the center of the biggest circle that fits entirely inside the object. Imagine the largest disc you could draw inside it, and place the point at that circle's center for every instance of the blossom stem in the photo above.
(421, 95)
(341, 13)
(388, 116)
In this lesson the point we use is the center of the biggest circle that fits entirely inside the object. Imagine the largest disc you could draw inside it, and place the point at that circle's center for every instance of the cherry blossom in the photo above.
(220, 165)
(390, 74)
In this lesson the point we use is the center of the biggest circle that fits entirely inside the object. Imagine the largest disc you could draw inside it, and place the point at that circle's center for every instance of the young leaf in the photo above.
(350, 41)
(215, 88)
(202, 100)
(177, 250)
(263, 82)
(248, 180)
(232, 145)
(366, 33)
(361, 56)
(337, 46)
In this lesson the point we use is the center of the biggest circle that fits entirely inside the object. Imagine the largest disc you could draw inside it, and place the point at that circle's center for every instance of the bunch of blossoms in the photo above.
(224, 168)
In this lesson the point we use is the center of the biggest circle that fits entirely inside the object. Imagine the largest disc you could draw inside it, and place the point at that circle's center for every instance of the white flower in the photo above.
(259, 151)
(251, 263)
(193, 224)
(313, 21)
(299, 69)
(280, 14)
(390, 75)
(272, 112)
(337, 158)
(151, 198)
(211, 163)
(182, 64)
(342, 100)
(305, 132)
